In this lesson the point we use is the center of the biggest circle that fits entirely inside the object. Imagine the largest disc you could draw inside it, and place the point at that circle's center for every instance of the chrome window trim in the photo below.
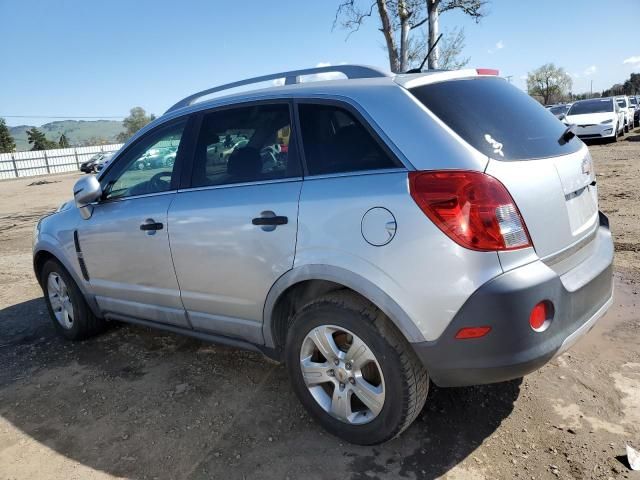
(242, 184)
(134, 197)
(355, 173)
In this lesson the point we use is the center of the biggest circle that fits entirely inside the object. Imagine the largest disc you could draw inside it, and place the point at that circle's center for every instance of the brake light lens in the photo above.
(472, 208)
(487, 71)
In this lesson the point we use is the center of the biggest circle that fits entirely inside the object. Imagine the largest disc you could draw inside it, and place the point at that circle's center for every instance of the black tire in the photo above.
(85, 323)
(614, 139)
(406, 380)
(626, 128)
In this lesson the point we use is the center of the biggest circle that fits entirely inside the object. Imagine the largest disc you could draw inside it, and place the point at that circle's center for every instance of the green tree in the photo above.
(63, 142)
(39, 141)
(550, 83)
(137, 119)
(7, 144)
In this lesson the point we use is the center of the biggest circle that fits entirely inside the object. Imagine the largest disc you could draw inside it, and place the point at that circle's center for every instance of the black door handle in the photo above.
(151, 226)
(277, 220)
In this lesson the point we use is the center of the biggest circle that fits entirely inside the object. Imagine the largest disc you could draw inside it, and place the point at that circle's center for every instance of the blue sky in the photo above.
(78, 58)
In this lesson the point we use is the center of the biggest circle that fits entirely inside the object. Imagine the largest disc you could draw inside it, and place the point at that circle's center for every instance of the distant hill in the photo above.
(78, 132)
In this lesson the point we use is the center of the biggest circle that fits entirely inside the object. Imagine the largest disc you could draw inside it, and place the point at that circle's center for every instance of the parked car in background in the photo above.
(596, 118)
(89, 165)
(103, 161)
(625, 106)
(559, 111)
(635, 103)
(388, 248)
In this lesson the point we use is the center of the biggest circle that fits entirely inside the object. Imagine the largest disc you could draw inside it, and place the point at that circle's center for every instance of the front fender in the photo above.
(61, 246)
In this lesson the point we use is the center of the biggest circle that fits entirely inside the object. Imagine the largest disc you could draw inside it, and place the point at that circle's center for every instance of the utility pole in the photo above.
(591, 94)
(509, 77)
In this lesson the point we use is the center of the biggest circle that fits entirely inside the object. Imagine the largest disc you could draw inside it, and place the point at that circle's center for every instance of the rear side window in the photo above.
(336, 142)
(245, 144)
(496, 118)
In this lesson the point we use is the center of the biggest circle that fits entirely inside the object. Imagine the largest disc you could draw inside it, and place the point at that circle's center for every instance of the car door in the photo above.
(233, 230)
(125, 243)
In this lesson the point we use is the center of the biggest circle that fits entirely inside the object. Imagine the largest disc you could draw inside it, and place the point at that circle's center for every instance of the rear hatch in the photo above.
(550, 180)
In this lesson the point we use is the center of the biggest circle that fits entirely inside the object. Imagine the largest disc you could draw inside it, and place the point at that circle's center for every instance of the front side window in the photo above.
(335, 142)
(245, 144)
(148, 166)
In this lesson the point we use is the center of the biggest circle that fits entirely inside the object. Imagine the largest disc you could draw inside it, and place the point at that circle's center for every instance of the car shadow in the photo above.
(633, 136)
(140, 403)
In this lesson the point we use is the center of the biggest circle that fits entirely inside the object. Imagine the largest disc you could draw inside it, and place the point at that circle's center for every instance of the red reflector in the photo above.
(487, 71)
(542, 312)
(474, 209)
(472, 332)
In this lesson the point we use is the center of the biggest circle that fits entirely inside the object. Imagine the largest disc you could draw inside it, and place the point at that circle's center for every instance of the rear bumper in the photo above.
(512, 348)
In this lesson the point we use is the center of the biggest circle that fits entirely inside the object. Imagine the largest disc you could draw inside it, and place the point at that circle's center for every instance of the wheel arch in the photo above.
(299, 286)
(45, 253)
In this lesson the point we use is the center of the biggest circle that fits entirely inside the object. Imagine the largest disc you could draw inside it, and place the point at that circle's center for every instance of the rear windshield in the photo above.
(591, 106)
(496, 118)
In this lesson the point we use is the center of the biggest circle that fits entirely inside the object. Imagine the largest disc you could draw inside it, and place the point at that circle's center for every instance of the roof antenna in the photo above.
(419, 69)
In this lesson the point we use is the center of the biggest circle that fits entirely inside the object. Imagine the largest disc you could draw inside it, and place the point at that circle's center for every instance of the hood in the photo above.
(590, 118)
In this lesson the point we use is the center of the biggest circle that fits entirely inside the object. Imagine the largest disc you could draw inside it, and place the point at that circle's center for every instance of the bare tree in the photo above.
(474, 8)
(399, 22)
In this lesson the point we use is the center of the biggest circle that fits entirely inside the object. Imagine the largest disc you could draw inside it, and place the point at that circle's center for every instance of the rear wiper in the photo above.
(567, 135)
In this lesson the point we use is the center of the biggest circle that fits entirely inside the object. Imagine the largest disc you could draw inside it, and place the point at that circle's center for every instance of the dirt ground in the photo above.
(140, 404)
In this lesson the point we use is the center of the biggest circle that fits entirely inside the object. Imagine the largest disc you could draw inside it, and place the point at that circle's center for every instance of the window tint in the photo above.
(244, 144)
(148, 166)
(496, 118)
(335, 141)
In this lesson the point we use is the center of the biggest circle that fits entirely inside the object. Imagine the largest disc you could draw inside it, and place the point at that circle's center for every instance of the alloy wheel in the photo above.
(342, 374)
(60, 301)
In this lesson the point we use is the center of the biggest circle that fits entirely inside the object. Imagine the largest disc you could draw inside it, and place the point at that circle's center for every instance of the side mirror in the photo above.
(86, 191)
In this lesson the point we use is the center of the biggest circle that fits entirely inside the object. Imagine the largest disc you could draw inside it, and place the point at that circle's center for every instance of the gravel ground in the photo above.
(138, 403)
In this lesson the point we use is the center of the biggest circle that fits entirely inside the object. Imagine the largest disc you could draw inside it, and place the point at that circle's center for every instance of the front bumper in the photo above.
(596, 131)
(512, 348)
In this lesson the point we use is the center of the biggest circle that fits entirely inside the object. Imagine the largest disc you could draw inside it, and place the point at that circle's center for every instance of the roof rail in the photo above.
(291, 77)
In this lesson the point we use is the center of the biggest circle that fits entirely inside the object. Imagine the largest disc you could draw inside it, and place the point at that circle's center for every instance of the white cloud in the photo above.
(499, 46)
(635, 60)
(316, 77)
(590, 70)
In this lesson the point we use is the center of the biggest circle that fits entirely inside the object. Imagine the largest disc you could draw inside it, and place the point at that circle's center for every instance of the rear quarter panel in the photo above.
(421, 269)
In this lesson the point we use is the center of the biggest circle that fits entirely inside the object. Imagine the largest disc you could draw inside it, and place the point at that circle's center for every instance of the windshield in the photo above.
(591, 106)
(496, 118)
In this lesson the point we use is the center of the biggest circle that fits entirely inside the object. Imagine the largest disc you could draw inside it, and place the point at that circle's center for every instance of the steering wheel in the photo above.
(157, 184)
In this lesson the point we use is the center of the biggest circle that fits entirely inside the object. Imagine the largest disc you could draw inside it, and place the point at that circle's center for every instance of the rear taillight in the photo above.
(474, 209)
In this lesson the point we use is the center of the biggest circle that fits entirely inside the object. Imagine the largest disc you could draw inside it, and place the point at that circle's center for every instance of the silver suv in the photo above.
(372, 233)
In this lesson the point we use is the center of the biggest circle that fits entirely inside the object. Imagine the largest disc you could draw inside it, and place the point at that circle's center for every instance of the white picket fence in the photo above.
(44, 162)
